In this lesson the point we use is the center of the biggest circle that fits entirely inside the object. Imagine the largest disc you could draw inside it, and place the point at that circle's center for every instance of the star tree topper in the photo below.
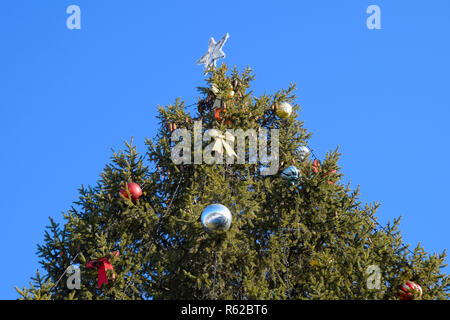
(214, 52)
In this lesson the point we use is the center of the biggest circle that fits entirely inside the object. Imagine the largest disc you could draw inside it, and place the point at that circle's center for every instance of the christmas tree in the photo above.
(297, 232)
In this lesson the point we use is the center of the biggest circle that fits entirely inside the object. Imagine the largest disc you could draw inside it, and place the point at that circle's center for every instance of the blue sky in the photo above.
(68, 96)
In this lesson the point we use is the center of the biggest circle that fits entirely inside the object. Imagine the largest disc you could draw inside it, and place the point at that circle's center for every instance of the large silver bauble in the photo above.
(216, 218)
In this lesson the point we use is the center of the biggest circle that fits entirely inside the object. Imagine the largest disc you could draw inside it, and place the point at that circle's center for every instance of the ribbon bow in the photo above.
(102, 265)
(221, 142)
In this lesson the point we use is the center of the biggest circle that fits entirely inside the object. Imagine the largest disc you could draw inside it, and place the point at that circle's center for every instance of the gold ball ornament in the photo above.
(284, 110)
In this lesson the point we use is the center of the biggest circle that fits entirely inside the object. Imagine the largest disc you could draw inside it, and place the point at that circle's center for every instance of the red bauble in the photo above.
(409, 291)
(135, 191)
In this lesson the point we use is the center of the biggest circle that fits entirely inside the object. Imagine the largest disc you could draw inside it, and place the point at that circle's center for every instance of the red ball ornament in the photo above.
(134, 189)
(409, 291)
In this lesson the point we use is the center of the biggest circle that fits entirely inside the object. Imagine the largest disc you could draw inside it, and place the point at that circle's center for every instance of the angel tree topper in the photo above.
(214, 52)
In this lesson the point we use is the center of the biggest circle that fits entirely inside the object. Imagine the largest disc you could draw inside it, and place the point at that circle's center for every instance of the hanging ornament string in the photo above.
(215, 266)
(221, 42)
(80, 251)
(72, 260)
(131, 281)
(386, 232)
(65, 271)
(107, 230)
(286, 263)
(312, 153)
(370, 217)
(283, 230)
(213, 296)
(344, 255)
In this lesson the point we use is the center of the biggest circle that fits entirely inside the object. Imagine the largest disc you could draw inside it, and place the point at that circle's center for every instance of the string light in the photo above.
(131, 281)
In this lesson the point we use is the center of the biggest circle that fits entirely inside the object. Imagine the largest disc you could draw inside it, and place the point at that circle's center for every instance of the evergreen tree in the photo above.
(308, 240)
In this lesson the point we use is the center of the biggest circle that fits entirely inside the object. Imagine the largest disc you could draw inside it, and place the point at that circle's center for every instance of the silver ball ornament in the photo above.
(216, 218)
(302, 152)
(291, 174)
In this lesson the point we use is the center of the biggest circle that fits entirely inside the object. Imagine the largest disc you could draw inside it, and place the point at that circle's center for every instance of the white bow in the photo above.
(221, 142)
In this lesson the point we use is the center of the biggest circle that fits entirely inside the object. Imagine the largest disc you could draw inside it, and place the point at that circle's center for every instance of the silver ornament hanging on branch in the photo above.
(302, 152)
(291, 174)
(216, 218)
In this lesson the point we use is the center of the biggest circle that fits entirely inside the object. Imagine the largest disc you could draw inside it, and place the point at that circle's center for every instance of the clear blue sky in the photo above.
(68, 96)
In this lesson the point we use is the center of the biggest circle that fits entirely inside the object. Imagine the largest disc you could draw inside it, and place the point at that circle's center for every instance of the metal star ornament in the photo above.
(214, 52)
